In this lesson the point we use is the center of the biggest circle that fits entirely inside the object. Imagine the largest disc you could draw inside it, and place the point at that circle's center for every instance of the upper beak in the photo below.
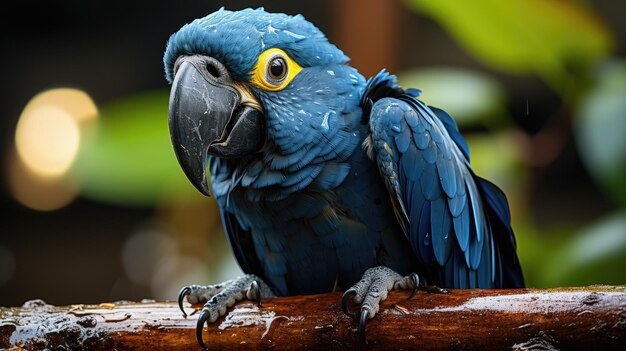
(210, 114)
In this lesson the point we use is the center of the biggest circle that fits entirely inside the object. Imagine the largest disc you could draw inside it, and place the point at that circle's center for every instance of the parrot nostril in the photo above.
(214, 71)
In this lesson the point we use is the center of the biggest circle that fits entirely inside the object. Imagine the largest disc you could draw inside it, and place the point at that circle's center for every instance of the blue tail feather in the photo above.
(497, 210)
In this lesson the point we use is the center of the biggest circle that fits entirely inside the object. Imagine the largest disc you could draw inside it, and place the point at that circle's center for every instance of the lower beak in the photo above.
(211, 115)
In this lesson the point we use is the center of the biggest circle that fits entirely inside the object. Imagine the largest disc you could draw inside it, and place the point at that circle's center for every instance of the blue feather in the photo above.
(412, 120)
(268, 177)
(306, 175)
(457, 204)
(331, 176)
(413, 92)
(461, 229)
(440, 229)
(325, 223)
(477, 208)
(307, 204)
(453, 131)
(412, 166)
(430, 152)
(279, 161)
(473, 254)
(484, 268)
(447, 175)
(423, 241)
(417, 210)
(462, 269)
(403, 140)
(429, 182)
(275, 263)
(422, 139)
(496, 199)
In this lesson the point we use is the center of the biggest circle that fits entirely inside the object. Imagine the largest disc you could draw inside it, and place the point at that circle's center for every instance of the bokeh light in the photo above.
(37, 192)
(173, 272)
(141, 253)
(47, 137)
(154, 259)
(47, 141)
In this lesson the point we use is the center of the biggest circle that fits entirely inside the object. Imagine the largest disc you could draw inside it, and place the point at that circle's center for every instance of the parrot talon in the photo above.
(256, 290)
(219, 298)
(344, 302)
(204, 316)
(363, 323)
(416, 282)
(185, 291)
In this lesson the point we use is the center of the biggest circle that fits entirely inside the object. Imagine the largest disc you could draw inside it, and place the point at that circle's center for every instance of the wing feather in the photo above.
(424, 162)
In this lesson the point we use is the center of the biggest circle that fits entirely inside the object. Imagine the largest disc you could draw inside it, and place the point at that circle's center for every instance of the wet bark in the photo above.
(564, 318)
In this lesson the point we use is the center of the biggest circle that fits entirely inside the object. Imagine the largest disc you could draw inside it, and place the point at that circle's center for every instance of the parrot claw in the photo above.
(181, 296)
(256, 292)
(344, 302)
(416, 283)
(363, 323)
(219, 298)
(372, 289)
(204, 316)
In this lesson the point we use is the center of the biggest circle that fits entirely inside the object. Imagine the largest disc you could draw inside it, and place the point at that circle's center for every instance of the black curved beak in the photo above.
(211, 115)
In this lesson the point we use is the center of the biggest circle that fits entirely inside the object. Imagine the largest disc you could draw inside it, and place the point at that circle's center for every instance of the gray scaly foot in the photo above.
(219, 297)
(372, 289)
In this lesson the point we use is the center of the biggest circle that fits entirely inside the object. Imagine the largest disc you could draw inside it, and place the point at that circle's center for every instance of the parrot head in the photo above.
(244, 82)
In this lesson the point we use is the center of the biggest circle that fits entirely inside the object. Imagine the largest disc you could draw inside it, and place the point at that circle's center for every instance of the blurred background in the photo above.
(94, 206)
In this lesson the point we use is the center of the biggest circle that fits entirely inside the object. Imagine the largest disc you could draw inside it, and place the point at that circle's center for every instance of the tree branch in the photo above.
(564, 318)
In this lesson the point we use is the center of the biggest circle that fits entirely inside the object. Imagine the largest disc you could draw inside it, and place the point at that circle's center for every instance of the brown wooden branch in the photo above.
(564, 318)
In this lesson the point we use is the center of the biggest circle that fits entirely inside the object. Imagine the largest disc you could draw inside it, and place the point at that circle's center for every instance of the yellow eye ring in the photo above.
(274, 70)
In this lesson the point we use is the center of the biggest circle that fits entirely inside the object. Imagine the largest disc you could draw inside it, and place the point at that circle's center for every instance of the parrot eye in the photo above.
(277, 69)
(274, 70)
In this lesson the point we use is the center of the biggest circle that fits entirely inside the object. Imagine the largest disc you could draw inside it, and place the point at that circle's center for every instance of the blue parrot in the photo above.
(326, 181)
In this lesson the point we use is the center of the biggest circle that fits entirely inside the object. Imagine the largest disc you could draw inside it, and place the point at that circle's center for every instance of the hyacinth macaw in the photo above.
(326, 181)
